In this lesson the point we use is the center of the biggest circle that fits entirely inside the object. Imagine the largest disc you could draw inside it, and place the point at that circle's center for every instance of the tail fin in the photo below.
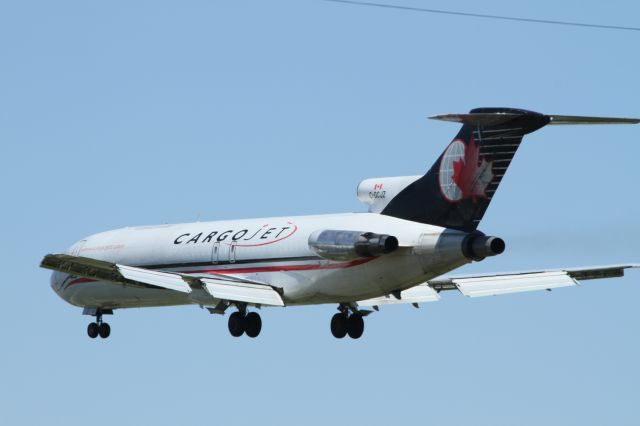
(457, 190)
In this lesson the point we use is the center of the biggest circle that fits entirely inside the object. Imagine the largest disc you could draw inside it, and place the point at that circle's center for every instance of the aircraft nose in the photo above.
(55, 282)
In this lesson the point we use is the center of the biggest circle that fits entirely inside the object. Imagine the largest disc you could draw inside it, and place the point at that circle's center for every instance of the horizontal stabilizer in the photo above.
(479, 119)
(498, 118)
(577, 119)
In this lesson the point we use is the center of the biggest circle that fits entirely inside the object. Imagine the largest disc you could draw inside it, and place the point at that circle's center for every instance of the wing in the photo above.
(501, 283)
(241, 291)
(418, 294)
(218, 286)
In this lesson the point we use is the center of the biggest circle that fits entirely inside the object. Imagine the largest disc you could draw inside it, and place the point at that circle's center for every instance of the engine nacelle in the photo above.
(349, 245)
(477, 246)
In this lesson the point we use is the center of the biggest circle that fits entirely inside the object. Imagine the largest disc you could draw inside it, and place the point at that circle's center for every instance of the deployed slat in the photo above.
(156, 278)
(242, 292)
(81, 266)
(503, 284)
(596, 272)
(108, 271)
(418, 294)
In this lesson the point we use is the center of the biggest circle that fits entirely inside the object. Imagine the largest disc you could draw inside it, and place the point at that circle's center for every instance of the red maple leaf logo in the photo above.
(471, 173)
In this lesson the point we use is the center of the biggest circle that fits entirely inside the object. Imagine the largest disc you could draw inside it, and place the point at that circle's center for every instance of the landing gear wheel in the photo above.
(104, 330)
(339, 325)
(355, 326)
(92, 330)
(252, 324)
(236, 324)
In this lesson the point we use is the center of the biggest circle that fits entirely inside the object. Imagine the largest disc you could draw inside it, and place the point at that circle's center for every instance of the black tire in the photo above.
(104, 330)
(236, 324)
(355, 326)
(252, 324)
(92, 330)
(339, 326)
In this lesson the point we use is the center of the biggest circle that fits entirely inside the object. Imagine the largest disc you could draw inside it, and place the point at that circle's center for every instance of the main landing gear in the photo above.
(243, 322)
(99, 328)
(344, 323)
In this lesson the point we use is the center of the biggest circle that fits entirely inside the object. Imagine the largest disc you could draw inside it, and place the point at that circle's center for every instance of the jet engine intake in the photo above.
(350, 245)
(477, 246)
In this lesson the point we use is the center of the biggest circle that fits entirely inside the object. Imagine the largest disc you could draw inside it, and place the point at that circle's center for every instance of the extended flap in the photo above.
(160, 279)
(242, 292)
(502, 284)
(418, 294)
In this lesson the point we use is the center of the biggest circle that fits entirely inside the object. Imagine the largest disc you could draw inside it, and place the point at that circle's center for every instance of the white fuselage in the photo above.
(271, 250)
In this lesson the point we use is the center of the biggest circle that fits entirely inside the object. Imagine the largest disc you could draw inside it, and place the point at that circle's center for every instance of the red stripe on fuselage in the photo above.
(248, 270)
(283, 268)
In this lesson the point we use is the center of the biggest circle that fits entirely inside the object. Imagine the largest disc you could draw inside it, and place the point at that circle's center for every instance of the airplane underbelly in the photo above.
(371, 278)
(104, 294)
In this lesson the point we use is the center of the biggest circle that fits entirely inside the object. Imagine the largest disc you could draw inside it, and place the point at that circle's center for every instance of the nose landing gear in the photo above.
(98, 328)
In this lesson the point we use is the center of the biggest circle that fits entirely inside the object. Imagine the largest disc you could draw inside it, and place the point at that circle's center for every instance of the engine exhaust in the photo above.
(478, 246)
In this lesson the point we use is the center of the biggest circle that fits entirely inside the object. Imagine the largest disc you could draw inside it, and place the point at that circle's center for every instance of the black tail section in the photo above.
(458, 188)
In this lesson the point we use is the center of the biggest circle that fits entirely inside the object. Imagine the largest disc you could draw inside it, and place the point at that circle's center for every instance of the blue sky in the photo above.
(129, 113)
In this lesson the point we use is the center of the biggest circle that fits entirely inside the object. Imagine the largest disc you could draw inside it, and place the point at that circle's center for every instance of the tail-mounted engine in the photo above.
(350, 245)
(476, 246)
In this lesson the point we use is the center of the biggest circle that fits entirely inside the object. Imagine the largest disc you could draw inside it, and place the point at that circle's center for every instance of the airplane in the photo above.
(416, 230)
